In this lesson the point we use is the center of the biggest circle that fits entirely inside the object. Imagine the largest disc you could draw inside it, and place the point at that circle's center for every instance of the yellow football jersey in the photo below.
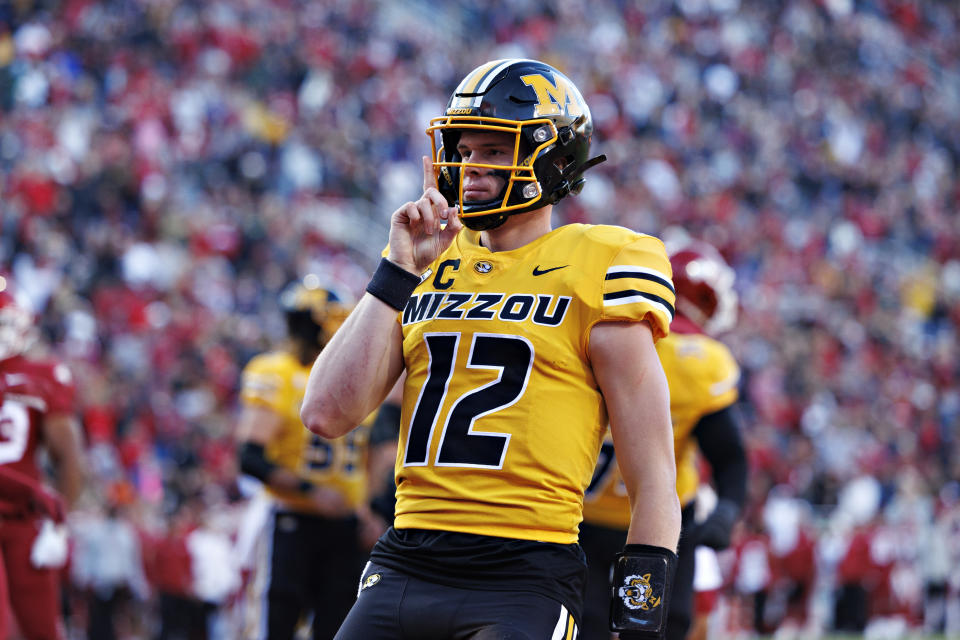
(502, 418)
(702, 375)
(277, 381)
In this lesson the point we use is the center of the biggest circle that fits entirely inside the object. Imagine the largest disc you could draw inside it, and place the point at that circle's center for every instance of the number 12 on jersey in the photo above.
(460, 445)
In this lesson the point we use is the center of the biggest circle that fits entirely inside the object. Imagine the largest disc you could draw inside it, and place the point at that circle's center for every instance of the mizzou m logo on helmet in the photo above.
(554, 99)
(637, 593)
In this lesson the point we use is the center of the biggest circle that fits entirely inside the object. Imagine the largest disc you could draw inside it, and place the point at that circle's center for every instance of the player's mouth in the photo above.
(475, 194)
(480, 189)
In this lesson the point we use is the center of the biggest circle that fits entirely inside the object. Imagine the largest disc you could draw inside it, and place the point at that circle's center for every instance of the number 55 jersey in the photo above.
(502, 417)
(276, 381)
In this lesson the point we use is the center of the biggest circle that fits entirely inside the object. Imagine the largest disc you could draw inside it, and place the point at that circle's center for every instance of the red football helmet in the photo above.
(16, 324)
(704, 284)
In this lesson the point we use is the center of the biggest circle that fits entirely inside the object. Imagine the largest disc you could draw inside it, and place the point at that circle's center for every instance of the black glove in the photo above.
(714, 532)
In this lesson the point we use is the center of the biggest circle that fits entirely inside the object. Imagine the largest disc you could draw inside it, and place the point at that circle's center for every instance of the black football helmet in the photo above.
(314, 312)
(552, 129)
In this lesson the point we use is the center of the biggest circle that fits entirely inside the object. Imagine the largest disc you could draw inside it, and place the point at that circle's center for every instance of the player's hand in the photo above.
(714, 532)
(416, 236)
(329, 502)
(50, 548)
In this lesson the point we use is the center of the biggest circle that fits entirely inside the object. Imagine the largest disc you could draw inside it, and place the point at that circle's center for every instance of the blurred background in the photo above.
(168, 166)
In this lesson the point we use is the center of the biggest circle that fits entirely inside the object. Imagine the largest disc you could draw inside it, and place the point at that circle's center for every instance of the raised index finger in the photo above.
(429, 178)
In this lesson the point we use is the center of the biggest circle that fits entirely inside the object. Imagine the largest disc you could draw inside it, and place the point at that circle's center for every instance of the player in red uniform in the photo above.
(36, 398)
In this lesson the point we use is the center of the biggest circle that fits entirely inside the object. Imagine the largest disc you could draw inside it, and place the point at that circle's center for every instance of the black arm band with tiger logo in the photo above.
(642, 579)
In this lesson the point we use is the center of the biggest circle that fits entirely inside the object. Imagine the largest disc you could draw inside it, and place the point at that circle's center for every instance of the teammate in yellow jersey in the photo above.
(703, 377)
(519, 343)
(308, 560)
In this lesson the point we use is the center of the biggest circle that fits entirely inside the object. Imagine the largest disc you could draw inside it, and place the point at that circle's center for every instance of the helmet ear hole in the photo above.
(707, 302)
(562, 163)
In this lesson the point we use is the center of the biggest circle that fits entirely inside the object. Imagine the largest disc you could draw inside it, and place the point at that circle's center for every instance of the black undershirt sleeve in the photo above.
(386, 426)
(718, 436)
(253, 461)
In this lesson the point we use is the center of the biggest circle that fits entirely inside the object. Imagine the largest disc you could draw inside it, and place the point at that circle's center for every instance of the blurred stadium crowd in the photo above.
(167, 166)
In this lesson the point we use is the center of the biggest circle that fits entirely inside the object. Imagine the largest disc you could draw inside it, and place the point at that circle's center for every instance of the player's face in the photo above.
(484, 147)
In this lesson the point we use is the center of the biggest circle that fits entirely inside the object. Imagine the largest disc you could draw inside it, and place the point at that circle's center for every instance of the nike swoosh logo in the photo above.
(538, 272)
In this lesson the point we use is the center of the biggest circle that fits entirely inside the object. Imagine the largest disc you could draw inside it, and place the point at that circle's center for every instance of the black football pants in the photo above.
(392, 605)
(314, 566)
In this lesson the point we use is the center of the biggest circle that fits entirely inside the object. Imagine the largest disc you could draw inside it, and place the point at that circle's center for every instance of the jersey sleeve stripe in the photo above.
(632, 295)
(615, 273)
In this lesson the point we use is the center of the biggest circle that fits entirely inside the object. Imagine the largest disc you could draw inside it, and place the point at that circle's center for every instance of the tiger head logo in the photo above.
(370, 580)
(637, 593)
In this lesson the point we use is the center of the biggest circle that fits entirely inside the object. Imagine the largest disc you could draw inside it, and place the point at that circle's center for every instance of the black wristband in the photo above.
(253, 461)
(392, 284)
(649, 548)
(642, 581)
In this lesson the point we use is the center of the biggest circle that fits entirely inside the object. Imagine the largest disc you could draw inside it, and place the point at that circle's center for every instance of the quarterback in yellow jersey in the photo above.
(519, 343)
(308, 561)
(703, 376)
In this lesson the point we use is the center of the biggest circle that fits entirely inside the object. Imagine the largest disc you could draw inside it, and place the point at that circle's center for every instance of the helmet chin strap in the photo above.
(484, 223)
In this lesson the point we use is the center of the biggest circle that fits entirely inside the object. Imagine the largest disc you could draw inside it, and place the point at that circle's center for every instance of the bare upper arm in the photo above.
(623, 357)
(61, 436)
(630, 376)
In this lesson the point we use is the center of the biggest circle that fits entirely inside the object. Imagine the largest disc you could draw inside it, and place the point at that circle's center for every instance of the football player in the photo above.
(309, 559)
(703, 376)
(519, 343)
(36, 415)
